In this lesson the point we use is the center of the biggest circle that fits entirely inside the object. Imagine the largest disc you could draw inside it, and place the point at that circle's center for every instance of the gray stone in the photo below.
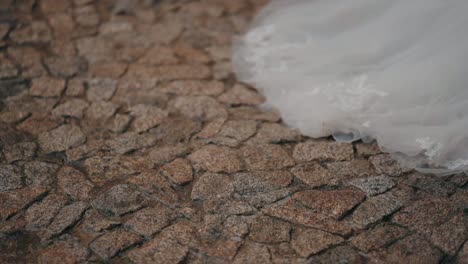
(68, 216)
(211, 184)
(265, 229)
(199, 107)
(378, 237)
(38, 32)
(61, 138)
(239, 95)
(373, 185)
(67, 249)
(433, 185)
(385, 164)
(109, 244)
(146, 117)
(323, 151)
(308, 242)
(275, 133)
(38, 173)
(151, 220)
(41, 214)
(119, 200)
(74, 183)
(130, 141)
(259, 182)
(11, 202)
(411, 249)
(73, 108)
(101, 89)
(10, 178)
(374, 209)
(101, 111)
(266, 157)
(47, 87)
(216, 159)
(65, 66)
(179, 171)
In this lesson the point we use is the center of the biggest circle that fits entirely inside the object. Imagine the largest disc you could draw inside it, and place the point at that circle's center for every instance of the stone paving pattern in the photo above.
(125, 138)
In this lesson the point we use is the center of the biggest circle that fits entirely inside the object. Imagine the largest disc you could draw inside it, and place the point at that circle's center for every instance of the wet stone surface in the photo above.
(126, 138)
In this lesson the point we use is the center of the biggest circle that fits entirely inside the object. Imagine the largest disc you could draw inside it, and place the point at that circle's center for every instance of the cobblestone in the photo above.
(126, 137)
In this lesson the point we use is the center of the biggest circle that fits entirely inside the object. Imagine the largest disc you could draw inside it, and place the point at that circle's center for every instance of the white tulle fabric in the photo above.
(394, 71)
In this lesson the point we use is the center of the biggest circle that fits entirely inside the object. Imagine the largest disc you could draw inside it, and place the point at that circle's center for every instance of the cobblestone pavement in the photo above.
(125, 138)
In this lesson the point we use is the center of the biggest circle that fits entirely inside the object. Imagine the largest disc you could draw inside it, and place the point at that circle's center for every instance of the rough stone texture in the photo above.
(385, 164)
(10, 178)
(66, 217)
(67, 250)
(109, 244)
(11, 202)
(412, 249)
(254, 253)
(120, 123)
(38, 123)
(160, 250)
(332, 203)
(261, 182)
(150, 220)
(241, 95)
(176, 130)
(41, 214)
(451, 235)
(432, 185)
(179, 171)
(101, 89)
(101, 111)
(4, 28)
(232, 133)
(193, 87)
(119, 200)
(130, 141)
(75, 87)
(169, 72)
(378, 237)
(74, 183)
(425, 213)
(47, 87)
(374, 185)
(64, 66)
(462, 257)
(199, 107)
(322, 150)
(19, 151)
(125, 137)
(299, 215)
(308, 242)
(374, 209)
(146, 117)
(339, 254)
(352, 169)
(250, 113)
(211, 184)
(38, 173)
(366, 150)
(165, 154)
(73, 108)
(36, 32)
(265, 229)
(61, 138)
(314, 174)
(216, 159)
(275, 133)
(266, 157)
